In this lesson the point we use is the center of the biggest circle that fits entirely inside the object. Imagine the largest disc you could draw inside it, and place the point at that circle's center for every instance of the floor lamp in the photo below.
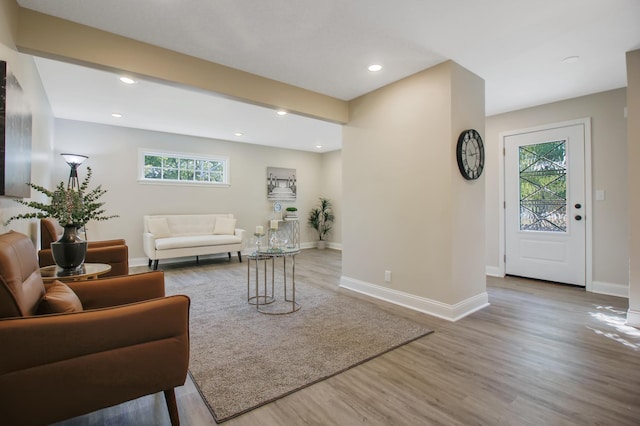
(74, 160)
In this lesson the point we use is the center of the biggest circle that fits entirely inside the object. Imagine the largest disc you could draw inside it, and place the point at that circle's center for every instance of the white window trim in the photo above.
(189, 155)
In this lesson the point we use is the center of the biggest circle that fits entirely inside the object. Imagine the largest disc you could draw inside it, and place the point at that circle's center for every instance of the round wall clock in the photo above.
(470, 154)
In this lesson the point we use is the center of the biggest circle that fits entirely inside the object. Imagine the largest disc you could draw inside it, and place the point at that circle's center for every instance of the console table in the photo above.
(265, 300)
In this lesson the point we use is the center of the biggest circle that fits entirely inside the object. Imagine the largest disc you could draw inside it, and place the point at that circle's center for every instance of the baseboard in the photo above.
(633, 318)
(611, 289)
(417, 303)
(494, 271)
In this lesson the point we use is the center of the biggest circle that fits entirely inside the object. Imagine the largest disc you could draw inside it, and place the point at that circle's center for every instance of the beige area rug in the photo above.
(242, 359)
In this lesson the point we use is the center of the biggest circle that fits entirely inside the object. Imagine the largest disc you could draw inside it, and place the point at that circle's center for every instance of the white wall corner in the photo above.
(633, 318)
(417, 303)
(494, 271)
(611, 289)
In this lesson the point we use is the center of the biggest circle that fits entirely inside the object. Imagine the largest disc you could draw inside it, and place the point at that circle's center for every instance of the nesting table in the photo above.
(263, 296)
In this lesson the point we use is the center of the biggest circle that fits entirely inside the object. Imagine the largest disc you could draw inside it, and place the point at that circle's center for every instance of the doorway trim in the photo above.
(586, 123)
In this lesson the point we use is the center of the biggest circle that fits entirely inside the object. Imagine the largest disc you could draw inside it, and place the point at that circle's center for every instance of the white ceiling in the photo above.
(516, 46)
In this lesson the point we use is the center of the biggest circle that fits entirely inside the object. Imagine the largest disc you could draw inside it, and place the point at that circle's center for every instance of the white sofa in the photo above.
(171, 236)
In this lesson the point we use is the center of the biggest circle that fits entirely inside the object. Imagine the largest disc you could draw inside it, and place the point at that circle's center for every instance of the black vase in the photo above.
(70, 250)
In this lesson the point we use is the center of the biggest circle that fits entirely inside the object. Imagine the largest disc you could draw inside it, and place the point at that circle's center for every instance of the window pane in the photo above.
(170, 174)
(543, 187)
(170, 162)
(152, 172)
(153, 160)
(184, 168)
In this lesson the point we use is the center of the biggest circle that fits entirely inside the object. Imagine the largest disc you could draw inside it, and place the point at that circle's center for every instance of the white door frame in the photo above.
(586, 122)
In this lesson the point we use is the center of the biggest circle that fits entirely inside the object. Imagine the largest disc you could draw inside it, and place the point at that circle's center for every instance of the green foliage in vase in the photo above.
(68, 206)
(321, 218)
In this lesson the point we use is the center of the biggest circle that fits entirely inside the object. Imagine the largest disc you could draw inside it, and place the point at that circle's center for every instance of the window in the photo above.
(171, 167)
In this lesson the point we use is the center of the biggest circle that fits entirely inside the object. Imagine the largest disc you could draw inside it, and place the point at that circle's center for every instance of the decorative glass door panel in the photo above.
(543, 186)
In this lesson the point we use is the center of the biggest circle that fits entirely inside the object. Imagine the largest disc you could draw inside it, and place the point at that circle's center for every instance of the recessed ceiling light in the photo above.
(281, 112)
(116, 115)
(127, 80)
(375, 67)
(238, 133)
(570, 59)
(318, 146)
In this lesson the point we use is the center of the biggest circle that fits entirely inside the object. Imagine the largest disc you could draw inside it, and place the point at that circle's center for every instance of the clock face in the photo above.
(277, 207)
(470, 154)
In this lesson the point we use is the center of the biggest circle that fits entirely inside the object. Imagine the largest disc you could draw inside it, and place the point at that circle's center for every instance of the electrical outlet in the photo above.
(387, 276)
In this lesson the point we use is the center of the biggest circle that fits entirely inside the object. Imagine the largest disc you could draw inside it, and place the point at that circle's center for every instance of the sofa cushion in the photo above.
(159, 227)
(191, 225)
(58, 299)
(225, 226)
(196, 241)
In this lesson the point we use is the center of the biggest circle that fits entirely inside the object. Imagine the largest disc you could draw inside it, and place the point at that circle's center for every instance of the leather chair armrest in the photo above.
(35, 342)
(107, 292)
(45, 258)
(117, 256)
(106, 243)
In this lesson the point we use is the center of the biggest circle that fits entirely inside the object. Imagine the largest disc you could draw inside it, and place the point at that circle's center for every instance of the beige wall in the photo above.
(113, 158)
(42, 123)
(633, 126)
(401, 187)
(331, 188)
(609, 173)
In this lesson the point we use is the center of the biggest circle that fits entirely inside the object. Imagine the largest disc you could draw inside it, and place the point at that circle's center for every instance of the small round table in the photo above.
(265, 302)
(88, 271)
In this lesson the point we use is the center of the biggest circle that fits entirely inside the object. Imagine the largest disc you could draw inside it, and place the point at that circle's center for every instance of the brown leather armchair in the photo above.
(112, 252)
(127, 340)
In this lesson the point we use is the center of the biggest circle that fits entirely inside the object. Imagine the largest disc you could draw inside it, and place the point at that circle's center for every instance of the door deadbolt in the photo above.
(578, 217)
(577, 206)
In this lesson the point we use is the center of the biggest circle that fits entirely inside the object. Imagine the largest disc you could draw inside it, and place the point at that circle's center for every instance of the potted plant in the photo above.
(72, 209)
(321, 219)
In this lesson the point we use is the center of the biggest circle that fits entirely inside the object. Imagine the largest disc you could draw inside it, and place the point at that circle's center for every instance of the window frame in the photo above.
(189, 156)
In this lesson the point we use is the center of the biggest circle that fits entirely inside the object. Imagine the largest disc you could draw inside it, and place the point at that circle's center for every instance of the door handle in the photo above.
(578, 217)
(577, 206)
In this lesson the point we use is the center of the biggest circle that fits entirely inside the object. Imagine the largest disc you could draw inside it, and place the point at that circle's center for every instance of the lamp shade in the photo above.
(74, 159)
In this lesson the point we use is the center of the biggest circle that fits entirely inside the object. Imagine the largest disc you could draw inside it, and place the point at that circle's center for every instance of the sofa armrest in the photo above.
(68, 336)
(106, 292)
(149, 245)
(240, 233)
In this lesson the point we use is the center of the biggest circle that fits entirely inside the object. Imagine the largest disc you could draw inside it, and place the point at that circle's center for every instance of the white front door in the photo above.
(545, 213)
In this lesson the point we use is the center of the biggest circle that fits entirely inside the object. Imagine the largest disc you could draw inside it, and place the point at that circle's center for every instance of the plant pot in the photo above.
(322, 245)
(70, 250)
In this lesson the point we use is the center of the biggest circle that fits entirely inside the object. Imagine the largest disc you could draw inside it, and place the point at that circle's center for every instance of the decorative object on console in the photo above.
(72, 208)
(259, 233)
(292, 213)
(321, 219)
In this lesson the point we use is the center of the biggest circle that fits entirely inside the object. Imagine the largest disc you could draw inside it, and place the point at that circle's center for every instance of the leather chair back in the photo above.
(48, 233)
(21, 286)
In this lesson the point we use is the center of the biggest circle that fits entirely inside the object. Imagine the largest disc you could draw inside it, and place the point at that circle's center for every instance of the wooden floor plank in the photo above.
(541, 353)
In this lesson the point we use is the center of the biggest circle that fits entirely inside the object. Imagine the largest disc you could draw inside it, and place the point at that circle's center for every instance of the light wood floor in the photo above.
(541, 354)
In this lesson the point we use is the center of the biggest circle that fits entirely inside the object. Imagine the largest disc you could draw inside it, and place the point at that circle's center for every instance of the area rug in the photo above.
(242, 359)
